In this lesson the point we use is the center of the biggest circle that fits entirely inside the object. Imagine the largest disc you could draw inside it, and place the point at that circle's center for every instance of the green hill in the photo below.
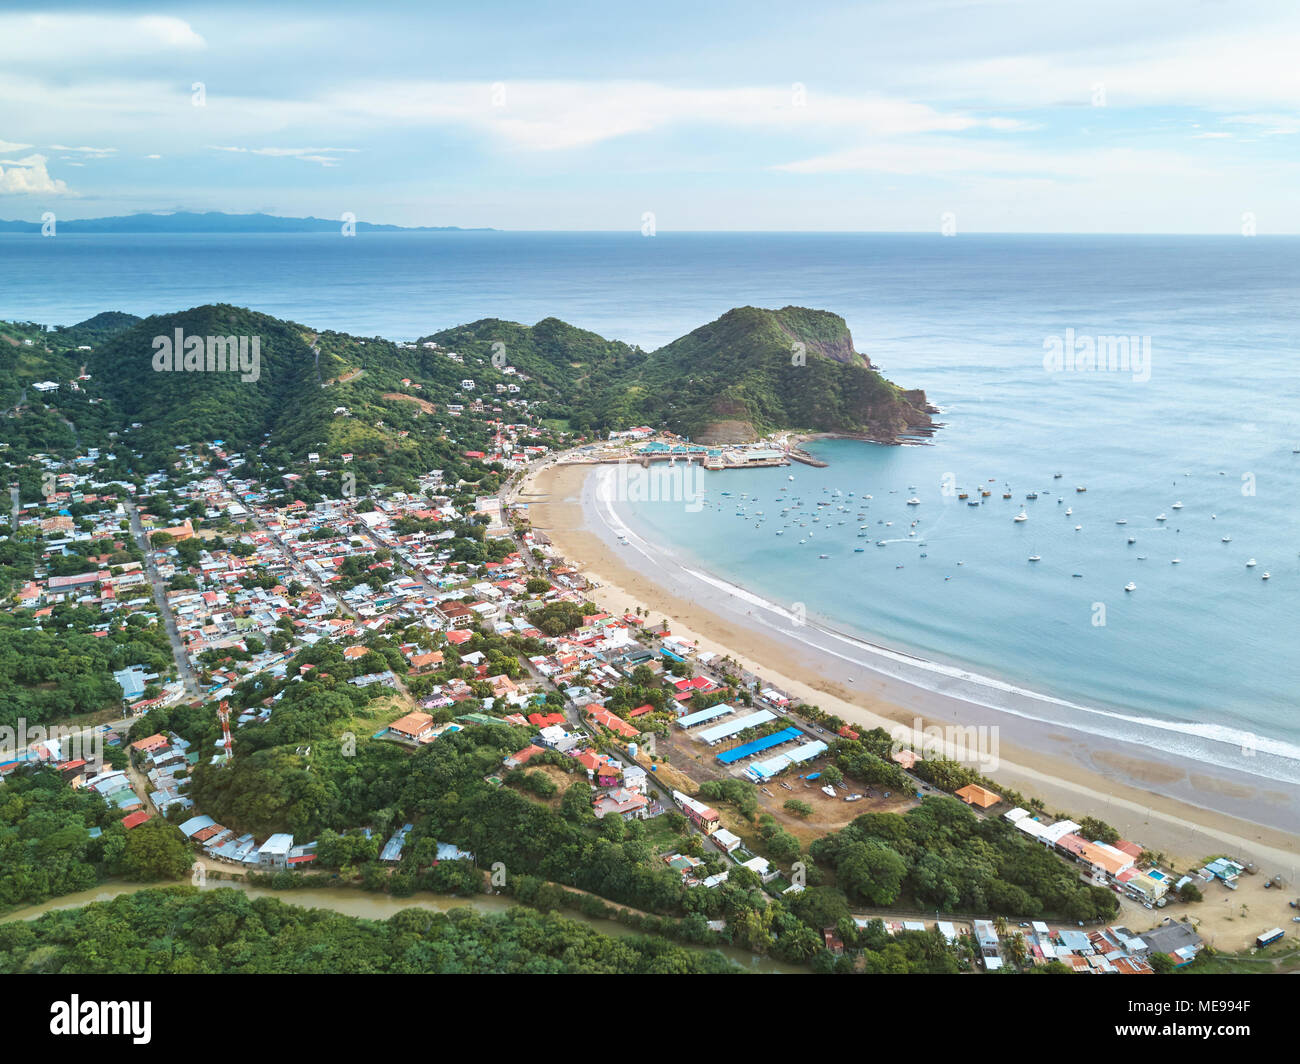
(402, 407)
(754, 371)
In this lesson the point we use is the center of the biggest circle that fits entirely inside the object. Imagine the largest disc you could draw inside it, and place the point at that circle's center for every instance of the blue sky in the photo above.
(1007, 116)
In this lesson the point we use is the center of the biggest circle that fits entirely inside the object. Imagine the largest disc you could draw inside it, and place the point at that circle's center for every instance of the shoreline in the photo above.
(1070, 769)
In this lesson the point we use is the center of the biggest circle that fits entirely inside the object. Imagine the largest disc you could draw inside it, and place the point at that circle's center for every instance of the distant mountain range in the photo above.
(220, 222)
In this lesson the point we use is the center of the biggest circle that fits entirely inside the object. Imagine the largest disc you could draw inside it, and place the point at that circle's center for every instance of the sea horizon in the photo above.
(967, 319)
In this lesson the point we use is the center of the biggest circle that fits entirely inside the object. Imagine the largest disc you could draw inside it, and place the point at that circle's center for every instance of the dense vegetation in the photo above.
(46, 849)
(48, 674)
(940, 855)
(180, 930)
(751, 371)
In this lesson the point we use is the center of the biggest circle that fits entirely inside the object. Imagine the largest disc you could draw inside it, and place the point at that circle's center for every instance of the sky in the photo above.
(992, 116)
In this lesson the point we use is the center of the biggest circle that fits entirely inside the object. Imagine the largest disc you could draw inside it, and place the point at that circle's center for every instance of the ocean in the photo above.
(1199, 409)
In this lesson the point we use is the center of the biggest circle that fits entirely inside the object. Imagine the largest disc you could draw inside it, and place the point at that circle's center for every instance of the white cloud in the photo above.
(96, 152)
(1218, 71)
(949, 156)
(9, 146)
(552, 115)
(1274, 124)
(35, 39)
(28, 176)
(323, 156)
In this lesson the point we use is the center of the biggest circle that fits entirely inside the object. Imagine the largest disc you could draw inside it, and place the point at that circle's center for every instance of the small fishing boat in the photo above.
(913, 501)
(1250, 564)
(858, 550)
(1032, 495)
(1077, 576)
(1078, 528)
(1021, 516)
(1006, 494)
(1175, 561)
(1035, 558)
(1130, 586)
(1225, 539)
(1132, 539)
(1264, 576)
(1177, 506)
(963, 495)
(1161, 517)
(1080, 489)
(1122, 521)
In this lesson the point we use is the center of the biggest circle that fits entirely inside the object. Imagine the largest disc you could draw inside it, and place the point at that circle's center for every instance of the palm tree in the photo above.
(1000, 925)
(1017, 949)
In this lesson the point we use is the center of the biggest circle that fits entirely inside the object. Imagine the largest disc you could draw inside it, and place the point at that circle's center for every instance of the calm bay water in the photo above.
(1205, 642)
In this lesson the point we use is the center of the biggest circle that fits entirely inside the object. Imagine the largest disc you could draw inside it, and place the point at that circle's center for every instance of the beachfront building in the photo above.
(979, 797)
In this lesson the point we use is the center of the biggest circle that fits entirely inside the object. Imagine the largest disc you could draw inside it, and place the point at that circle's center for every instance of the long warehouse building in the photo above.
(705, 715)
(765, 770)
(787, 735)
(718, 732)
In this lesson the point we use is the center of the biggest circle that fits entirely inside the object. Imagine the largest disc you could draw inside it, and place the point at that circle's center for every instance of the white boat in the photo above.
(1132, 539)
(1177, 506)
(1021, 516)
(1264, 576)
(1130, 586)
(829, 790)
(1069, 510)
(1175, 561)
(1035, 558)
(823, 555)
(1161, 517)
(1122, 521)
(1250, 564)
(1225, 539)
(913, 501)
(1078, 528)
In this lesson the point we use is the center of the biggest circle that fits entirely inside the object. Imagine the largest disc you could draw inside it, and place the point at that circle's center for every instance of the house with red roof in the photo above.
(612, 721)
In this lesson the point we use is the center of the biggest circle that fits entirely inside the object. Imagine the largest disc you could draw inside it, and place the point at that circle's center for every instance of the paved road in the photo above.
(186, 670)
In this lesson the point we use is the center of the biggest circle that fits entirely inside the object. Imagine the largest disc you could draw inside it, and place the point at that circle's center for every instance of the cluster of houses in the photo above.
(76, 508)
(1116, 865)
(620, 789)
(276, 853)
(167, 761)
(1113, 950)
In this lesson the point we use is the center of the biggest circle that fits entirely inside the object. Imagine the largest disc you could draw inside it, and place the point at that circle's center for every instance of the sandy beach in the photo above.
(1186, 810)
